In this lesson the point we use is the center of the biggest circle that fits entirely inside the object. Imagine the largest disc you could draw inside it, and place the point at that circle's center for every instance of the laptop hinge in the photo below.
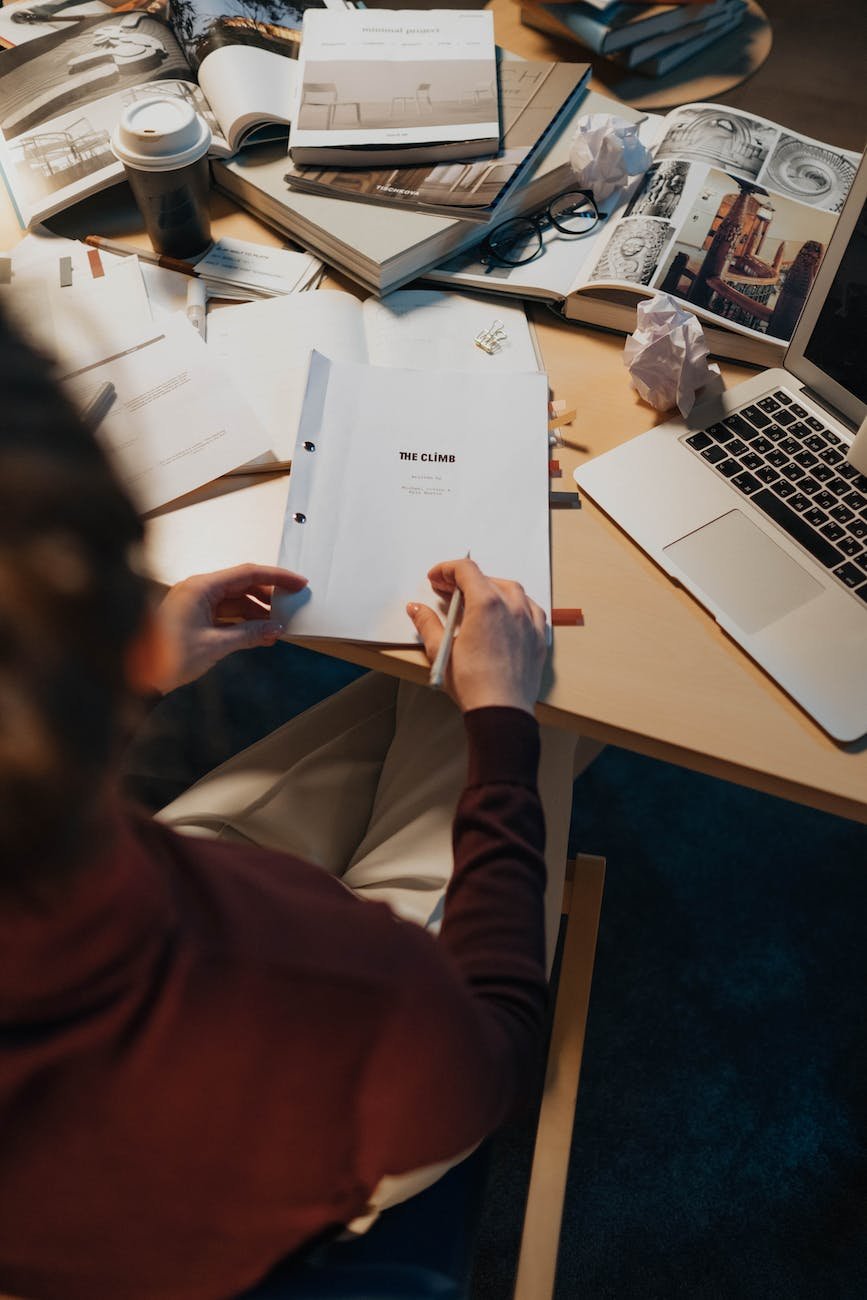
(830, 409)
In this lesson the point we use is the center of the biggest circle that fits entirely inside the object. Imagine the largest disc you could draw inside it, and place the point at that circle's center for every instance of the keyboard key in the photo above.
(806, 458)
(850, 547)
(832, 438)
(768, 404)
(728, 468)
(784, 417)
(849, 574)
(816, 517)
(790, 446)
(799, 502)
(719, 432)
(756, 416)
(782, 396)
(768, 475)
(847, 471)
(832, 531)
(823, 473)
(762, 445)
(751, 460)
(794, 525)
(815, 442)
(858, 528)
(793, 471)
(855, 501)
(861, 593)
(736, 447)
(799, 410)
(784, 488)
(699, 441)
(738, 426)
(778, 458)
(774, 432)
(842, 514)
(862, 560)
(746, 483)
(831, 456)
(837, 485)
(799, 430)
(826, 500)
(714, 454)
(809, 484)
(815, 424)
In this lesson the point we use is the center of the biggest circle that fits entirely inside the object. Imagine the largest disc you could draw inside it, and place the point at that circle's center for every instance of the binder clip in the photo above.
(490, 340)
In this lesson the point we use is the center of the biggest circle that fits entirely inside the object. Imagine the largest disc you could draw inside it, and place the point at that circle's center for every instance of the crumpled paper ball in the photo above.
(667, 356)
(605, 153)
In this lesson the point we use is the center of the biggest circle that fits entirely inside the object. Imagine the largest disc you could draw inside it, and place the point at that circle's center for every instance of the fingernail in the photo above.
(412, 609)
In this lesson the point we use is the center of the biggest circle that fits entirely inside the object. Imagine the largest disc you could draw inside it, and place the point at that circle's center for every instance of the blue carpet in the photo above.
(719, 1146)
(719, 1149)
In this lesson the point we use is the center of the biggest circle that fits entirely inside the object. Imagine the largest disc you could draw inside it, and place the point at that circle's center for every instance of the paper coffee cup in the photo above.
(162, 143)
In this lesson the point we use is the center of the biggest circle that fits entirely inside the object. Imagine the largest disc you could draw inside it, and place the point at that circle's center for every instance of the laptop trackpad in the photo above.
(743, 571)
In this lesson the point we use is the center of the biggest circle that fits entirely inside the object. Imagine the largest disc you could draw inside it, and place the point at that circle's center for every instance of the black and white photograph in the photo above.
(74, 145)
(372, 93)
(810, 172)
(711, 134)
(633, 251)
(57, 73)
(746, 254)
(660, 191)
(203, 26)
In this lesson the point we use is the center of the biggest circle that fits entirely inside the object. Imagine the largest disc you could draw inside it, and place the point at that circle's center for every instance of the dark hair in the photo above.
(70, 601)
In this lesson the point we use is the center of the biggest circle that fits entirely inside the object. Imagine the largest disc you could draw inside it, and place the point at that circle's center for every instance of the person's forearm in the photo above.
(493, 924)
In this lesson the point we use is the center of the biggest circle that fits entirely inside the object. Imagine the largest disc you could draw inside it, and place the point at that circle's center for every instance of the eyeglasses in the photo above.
(520, 240)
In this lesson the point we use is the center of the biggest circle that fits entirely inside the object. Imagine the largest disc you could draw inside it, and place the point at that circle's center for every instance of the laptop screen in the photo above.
(829, 344)
(838, 342)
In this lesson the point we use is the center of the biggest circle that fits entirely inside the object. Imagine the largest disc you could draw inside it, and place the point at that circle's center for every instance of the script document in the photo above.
(395, 470)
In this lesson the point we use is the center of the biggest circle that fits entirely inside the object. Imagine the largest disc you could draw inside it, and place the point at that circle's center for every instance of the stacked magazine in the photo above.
(732, 217)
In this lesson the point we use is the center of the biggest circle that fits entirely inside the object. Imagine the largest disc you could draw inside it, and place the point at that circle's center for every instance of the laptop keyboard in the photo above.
(793, 468)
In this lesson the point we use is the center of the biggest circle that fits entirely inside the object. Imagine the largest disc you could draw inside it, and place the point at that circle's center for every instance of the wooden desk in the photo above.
(649, 670)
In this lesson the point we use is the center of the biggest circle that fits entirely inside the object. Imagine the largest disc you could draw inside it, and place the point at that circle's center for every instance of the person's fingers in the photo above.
(240, 579)
(235, 607)
(466, 574)
(429, 627)
(540, 618)
(244, 636)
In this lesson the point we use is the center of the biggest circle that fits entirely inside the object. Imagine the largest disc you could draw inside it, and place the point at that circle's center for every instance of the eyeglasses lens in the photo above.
(574, 213)
(515, 242)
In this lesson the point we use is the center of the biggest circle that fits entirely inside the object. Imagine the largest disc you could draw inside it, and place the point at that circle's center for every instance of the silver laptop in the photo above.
(753, 506)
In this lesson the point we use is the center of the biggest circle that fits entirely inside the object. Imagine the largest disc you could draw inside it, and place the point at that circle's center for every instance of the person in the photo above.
(289, 1000)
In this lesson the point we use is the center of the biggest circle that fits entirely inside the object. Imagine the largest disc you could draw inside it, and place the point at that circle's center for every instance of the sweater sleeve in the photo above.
(460, 1046)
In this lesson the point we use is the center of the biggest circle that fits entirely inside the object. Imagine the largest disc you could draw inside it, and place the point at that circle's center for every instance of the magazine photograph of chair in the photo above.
(350, 95)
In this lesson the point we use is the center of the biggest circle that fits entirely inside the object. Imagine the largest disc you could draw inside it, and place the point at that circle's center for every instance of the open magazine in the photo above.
(733, 218)
(62, 93)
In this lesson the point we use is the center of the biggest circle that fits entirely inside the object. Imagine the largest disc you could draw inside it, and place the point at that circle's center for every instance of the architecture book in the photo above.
(619, 25)
(534, 99)
(384, 247)
(62, 94)
(390, 86)
(376, 499)
(732, 218)
(653, 55)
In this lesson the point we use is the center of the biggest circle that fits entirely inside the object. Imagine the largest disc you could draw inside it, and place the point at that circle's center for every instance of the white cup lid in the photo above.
(160, 134)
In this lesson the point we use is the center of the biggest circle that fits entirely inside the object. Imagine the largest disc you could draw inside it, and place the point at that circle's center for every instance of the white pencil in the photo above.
(441, 659)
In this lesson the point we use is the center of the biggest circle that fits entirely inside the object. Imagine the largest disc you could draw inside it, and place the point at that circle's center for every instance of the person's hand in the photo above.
(499, 651)
(210, 615)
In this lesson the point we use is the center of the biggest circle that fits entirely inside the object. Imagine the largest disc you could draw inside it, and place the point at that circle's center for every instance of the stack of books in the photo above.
(652, 39)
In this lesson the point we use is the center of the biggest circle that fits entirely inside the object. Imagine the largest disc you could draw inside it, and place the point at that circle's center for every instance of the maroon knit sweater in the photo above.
(210, 1054)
